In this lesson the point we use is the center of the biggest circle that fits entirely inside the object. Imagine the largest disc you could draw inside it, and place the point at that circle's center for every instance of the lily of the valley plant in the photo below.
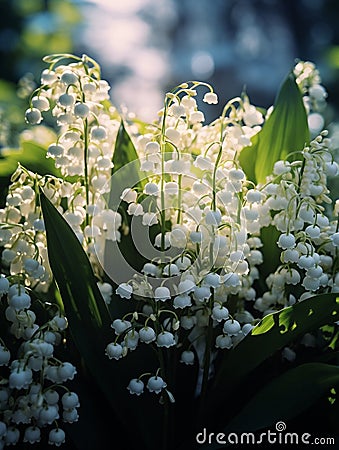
(168, 276)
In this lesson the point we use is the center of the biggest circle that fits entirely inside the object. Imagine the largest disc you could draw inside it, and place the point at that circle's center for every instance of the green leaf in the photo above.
(284, 399)
(124, 150)
(72, 271)
(271, 252)
(89, 322)
(126, 172)
(31, 155)
(285, 131)
(123, 256)
(271, 334)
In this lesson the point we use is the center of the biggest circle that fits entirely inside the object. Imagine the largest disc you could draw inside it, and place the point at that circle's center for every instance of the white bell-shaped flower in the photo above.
(156, 384)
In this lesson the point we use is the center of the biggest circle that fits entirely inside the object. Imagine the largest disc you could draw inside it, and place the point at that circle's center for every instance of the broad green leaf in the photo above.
(90, 321)
(285, 131)
(248, 157)
(31, 155)
(72, 271)
(8, 93)
(124, 256)
(284, 398)
(270, 250)
(124, 150)
(95, 415)
(271, 334)
(126, 171)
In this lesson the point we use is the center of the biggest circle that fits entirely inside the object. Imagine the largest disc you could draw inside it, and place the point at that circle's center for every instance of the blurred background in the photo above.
(146, 47)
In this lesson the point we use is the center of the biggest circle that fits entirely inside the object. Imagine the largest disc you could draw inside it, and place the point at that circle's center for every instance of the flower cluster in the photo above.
(33, 394)
(198, 289)
(295, 196)
(308, 78)
(211, 254)
(77, 98)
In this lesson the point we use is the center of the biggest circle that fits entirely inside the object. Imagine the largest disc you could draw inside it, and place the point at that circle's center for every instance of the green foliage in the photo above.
(284, 398)
(32, 28)
(62, 17)
(126, 171)
(26, 7)
(76, 276)
(11, 113)
(282, 136)
(284, 132)
(66, 254)
(31, 155)
(271, 253)
(43, 27)
(271, 398)
(89, 321)
(272, 333)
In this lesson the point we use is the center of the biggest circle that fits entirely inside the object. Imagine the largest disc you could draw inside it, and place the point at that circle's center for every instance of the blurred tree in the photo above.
(29, 29)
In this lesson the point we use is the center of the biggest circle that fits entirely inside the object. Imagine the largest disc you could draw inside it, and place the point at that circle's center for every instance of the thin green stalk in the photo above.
(207, 363)
(301, 174)
(163, 217)
(160, 355)
(166, 419)
(214, 182)
(179, 199)
(86, 144)
(162, 180)
(222, 124)
(336, 258)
